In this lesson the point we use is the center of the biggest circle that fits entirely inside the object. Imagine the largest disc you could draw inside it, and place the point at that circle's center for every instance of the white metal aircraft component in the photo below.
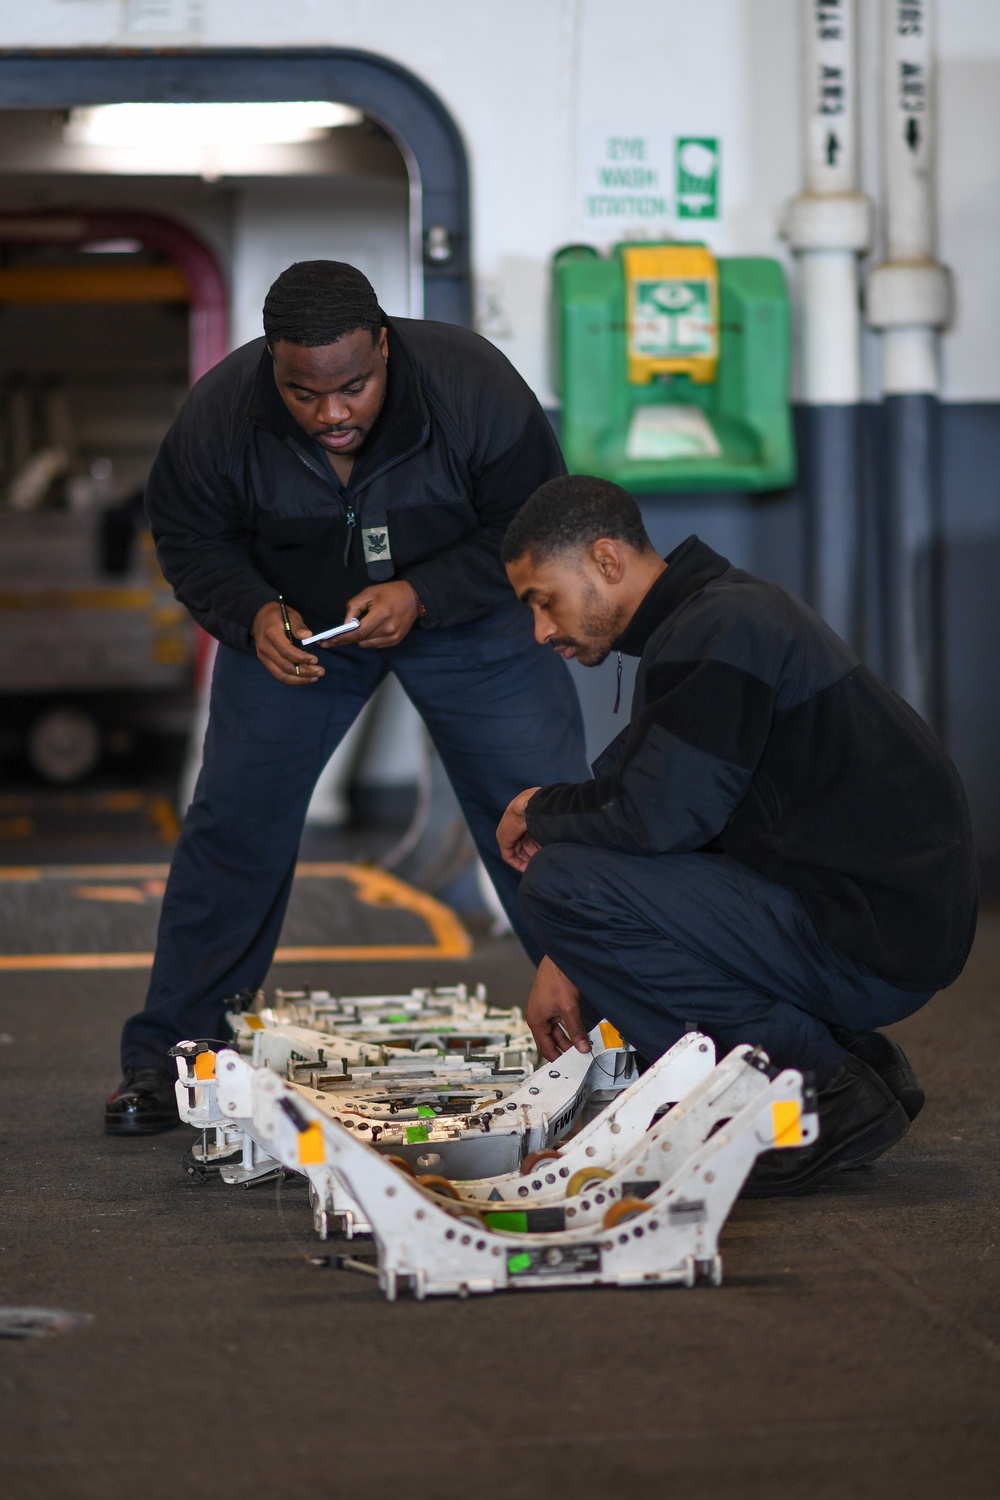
(586, 1197)
(226, 1142)
(392, 1058)
(611, 1133)
(577, 1185)
(447, 1020)
(464, 1133)
(668, 1237)
(591, 1153)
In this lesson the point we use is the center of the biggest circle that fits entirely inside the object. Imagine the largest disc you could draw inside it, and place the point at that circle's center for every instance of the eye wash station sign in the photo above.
(642, 179)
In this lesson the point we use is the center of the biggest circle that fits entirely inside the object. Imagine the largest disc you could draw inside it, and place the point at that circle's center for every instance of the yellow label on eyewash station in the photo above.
(672, 311)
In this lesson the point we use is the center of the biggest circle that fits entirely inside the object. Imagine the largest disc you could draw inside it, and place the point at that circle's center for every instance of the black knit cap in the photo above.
(317, 301)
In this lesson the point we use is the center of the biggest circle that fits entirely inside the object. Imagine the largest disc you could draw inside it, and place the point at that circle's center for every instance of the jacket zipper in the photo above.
(347, 505)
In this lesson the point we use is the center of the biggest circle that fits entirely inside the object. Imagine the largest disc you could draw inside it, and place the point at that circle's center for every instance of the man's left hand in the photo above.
(386, 611)
(516, 844)
(553, 1013)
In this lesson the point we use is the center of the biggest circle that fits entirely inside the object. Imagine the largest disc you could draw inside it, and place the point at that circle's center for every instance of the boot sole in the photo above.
(895, 1072)
(910, 1095)
(857, 1151)
(121, 1125)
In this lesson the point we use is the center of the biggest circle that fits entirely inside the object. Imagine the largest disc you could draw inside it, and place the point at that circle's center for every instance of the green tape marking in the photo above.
(519, 1261)
(511, 1219)
(415, 1134)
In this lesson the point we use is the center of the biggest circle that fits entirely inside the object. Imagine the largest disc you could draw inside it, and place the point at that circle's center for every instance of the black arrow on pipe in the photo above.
(832, 149)
(913, 133)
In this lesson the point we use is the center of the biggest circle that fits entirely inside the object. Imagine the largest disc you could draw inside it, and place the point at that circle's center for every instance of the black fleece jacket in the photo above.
(755, 731)
(244, 505)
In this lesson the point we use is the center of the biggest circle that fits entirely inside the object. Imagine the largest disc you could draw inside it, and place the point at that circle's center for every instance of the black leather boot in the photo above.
(859, 1119)
(144, 1103)
(889, 1061)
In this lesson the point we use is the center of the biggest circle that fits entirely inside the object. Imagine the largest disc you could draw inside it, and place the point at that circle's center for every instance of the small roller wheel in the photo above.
(403, 1165)
(625, 1208)
(586, 1177)
(435, 1183)
(534, 1157)
(64, 745)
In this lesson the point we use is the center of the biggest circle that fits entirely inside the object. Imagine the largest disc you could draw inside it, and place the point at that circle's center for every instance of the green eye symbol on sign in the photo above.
(697, 176)
(672, 318)
(672, 296)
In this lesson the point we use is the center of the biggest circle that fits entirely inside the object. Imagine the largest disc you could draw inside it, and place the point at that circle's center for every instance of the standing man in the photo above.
(776, 850)
(344, 466)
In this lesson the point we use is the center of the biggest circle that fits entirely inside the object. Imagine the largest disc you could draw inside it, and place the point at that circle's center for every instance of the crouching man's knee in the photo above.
(552, 877)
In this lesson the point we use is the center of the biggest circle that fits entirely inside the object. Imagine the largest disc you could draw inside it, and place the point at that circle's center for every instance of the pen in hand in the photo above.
(288, 629)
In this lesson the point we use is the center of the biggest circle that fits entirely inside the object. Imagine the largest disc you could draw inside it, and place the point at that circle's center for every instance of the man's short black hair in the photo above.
(316, 302)
(569, 514)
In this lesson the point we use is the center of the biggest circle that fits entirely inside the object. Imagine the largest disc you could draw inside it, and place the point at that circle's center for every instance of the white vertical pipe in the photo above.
(829, 58)
(908, 123)
(908, 300)
(828, 226)
(909, 295)
(830, 332)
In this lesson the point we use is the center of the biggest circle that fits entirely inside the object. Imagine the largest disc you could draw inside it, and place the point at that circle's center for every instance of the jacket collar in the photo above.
(403, 424)
(689, 567)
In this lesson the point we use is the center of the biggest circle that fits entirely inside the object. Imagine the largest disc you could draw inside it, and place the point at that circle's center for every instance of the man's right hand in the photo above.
(276, 651)
(553, 1013)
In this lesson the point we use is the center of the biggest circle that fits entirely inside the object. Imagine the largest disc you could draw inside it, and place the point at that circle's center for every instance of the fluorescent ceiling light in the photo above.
(167, 126)
(112, 247)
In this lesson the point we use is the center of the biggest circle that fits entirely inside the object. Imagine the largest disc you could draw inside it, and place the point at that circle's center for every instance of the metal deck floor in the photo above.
(853, 1351)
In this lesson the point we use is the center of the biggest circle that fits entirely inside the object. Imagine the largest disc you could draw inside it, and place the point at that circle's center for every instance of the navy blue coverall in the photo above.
(244, 506)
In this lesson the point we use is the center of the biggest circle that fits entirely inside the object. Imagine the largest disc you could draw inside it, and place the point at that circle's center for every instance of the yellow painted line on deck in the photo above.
(51, 599)
(25, 962)
(373, 886)
(83, 872)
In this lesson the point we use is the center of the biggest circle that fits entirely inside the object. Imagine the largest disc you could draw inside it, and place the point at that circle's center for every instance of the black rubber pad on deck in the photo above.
(110, 913)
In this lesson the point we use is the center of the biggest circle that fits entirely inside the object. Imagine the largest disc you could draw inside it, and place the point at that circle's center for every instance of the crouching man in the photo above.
(775, 850)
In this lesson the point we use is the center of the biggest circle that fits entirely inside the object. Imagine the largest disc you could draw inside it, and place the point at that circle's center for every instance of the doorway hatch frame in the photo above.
(411, 113)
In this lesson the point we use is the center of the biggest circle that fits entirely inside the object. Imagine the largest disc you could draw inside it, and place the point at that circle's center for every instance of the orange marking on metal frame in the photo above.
(611, 1036)
(204, 1065)
(786, 1122)
(311, 1152)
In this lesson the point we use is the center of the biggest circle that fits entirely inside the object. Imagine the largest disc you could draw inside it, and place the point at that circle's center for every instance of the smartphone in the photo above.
(328, 635)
